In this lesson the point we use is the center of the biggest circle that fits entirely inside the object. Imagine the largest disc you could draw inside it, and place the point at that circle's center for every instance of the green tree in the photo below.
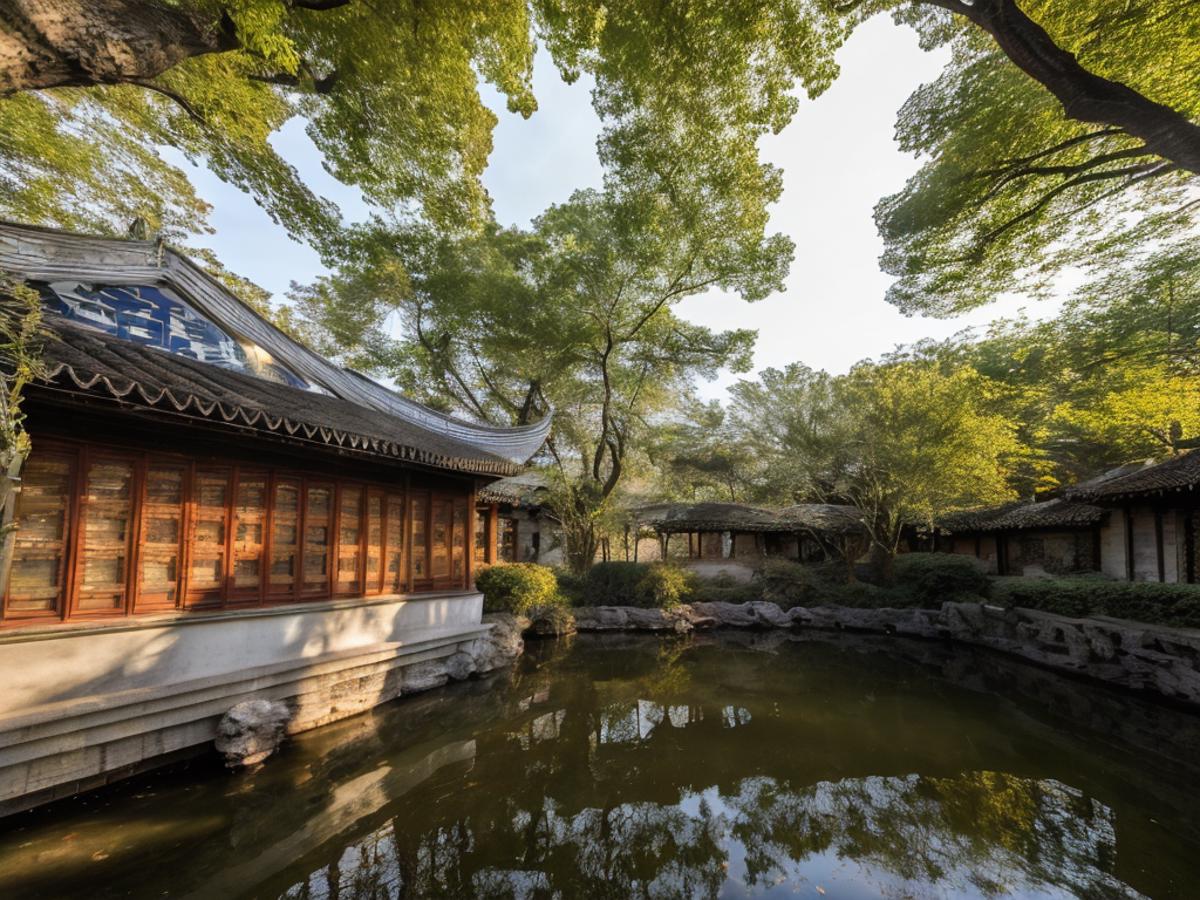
(923, 444)
(1051, 124)
(905, 441)
(20, 363)
(697, 456)
(573, 316)
(793, 427)
(1013, 191)
(1113, 377)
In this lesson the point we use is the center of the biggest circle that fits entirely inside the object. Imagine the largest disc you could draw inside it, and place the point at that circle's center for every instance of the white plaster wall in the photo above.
(71, 663)
(1112, 546)
(1145, 549)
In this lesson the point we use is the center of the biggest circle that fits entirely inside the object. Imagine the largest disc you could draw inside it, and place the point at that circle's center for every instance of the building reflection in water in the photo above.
(976, 834)
(640, 768)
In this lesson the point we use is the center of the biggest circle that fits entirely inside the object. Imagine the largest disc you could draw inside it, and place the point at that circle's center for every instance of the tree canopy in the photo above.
(573, 316)
(1055, 124)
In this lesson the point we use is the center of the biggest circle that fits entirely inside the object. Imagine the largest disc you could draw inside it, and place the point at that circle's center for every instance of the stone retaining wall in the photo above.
(1134, 655)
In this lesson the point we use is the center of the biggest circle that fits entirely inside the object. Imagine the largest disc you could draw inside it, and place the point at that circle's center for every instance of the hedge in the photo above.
(517, 588)
(1177, 605)
(934, 578)
(646, 585)
(791, 583)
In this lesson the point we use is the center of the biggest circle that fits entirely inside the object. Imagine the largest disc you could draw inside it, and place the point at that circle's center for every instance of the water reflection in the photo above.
(983, 834)
(633, 768)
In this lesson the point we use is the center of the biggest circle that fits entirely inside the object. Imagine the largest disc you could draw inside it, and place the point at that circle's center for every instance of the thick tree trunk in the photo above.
(76, 43)
(1085, 96)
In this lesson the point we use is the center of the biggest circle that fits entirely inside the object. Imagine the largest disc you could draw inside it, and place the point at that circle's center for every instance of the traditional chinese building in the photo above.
(734, 537)
(1051, 537)
(526, 527)
(1153, 516)
(1136, 522)
(213, 512)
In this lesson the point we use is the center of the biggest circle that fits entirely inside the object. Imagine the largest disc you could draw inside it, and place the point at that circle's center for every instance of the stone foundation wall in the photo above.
(1165, 661)
(101, 704)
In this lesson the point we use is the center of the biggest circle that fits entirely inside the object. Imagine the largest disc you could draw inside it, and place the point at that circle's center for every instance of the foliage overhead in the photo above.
(1055, 124)
(1012, 191)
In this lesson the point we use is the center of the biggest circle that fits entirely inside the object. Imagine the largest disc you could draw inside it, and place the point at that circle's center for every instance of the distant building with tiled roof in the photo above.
(1135, 522)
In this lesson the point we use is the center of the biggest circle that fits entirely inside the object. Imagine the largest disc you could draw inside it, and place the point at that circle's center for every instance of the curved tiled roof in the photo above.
(831, 517)
(1022, 516)
(87, 363)
(45, 254)
(677, 517)
(526, 489)
(1178, 473)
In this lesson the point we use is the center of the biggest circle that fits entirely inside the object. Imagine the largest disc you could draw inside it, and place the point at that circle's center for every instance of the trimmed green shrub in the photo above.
(933, 578)
(663, 587)
(570, 585)
(1177, 605)
(646, 585)
(612, 583)
(791, 583)
(863, 595)
(724, 588)
(517, 588)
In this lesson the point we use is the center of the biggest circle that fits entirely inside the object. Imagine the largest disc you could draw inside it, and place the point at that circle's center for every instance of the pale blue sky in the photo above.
(838, 158)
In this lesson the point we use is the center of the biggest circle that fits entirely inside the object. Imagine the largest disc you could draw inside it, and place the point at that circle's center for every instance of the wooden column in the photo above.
(1160, 556)
(1128, 519)
(468, 541)
(1189, 545)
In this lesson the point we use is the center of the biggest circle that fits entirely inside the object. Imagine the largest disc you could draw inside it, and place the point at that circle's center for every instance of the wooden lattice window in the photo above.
(318, 523)
(482, 527)
(249, 534)
(209, 545)
(418, 516)
(285, 539)
(160, 544)
(350, 535)
(107, 516)
(37, 580)
(395, 572)
(111, 532)
(458, 543)
(373, 577)
(439, 539)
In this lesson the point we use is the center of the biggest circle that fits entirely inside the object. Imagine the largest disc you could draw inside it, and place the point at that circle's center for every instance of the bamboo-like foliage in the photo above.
(20, 363)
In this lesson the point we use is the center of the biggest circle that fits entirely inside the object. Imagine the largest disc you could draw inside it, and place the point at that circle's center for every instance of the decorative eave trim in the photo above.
(132, 391)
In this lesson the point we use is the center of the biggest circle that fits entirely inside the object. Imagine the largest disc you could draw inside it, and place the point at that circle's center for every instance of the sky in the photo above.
(838, 155)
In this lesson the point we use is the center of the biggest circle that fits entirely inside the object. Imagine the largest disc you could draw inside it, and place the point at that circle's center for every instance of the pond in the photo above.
(732, 765)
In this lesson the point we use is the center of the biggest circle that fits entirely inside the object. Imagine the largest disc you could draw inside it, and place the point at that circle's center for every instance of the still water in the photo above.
(738, 765)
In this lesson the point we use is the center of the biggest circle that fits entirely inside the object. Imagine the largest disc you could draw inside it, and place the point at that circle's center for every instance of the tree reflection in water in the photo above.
(982, 834)
(979, 833)
(634, 767)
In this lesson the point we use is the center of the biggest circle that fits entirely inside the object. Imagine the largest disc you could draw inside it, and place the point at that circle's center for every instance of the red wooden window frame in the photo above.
(69, 523)
(187, 594)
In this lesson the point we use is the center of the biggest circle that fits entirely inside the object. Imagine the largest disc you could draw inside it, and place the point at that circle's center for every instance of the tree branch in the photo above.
(1084, 95)
(175, 96)
(1132, 174)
